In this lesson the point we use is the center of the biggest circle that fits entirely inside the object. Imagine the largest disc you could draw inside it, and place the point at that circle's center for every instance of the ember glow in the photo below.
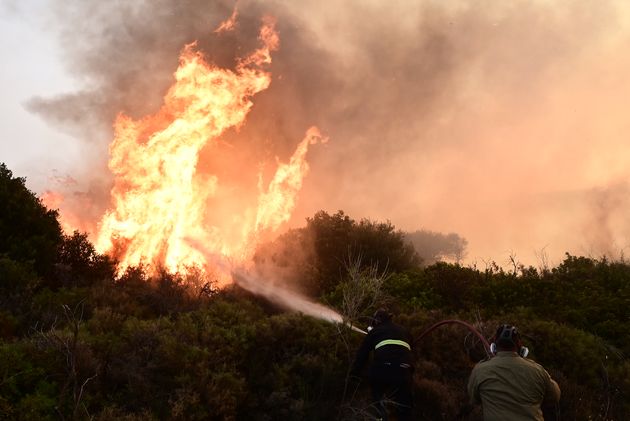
(160, 200)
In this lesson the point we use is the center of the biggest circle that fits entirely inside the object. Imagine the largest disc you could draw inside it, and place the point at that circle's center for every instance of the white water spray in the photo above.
(288, 299)
(283, 297)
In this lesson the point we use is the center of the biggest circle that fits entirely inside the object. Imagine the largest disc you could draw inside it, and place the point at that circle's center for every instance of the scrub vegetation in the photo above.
(79, 342)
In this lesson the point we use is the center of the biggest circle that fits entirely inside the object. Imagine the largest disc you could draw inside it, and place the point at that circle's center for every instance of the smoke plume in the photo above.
(500, 121)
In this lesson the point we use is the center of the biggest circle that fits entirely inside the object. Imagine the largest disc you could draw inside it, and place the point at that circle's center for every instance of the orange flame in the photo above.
(229, 23)
(159, 199)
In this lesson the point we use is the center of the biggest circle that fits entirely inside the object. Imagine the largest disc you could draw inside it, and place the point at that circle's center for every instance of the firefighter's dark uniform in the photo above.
(391, 370)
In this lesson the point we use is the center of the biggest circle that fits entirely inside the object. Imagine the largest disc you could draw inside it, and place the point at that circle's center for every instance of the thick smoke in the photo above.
(496, 120)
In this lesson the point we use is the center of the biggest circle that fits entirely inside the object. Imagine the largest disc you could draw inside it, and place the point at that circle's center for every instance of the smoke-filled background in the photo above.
(504, 122)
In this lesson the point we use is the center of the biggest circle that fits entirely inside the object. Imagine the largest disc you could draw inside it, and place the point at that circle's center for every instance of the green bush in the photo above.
(26, 390)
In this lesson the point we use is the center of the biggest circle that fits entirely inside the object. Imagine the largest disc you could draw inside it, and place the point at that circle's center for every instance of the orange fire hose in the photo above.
(470, 327)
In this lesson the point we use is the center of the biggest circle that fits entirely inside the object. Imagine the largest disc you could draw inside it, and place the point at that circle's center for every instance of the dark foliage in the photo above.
(78, 263)
(29, 233)
(77, 342)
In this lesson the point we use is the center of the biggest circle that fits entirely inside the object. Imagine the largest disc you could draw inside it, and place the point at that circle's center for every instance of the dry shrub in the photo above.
(435, 400)
(113, 413)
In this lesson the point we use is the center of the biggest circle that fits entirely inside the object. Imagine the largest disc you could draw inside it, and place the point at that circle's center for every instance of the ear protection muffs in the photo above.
(523, 351)
(507, 333)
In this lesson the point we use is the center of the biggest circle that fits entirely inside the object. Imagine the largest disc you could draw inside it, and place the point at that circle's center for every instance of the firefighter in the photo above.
(390, 373)
(509, 386)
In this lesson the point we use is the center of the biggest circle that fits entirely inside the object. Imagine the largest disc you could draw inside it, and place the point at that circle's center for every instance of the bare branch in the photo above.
(66, 343)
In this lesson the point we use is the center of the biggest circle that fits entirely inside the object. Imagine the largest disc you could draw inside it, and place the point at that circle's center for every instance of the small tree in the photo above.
(434, 246)
(78, 263)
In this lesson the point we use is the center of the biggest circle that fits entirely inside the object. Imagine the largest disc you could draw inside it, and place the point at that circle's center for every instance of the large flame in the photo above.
(160, 200)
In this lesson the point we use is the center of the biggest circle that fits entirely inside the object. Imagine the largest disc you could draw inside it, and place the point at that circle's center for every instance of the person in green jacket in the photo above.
(509, 386)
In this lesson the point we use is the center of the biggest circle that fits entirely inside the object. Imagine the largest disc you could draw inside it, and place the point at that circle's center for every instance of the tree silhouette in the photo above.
(28, 231)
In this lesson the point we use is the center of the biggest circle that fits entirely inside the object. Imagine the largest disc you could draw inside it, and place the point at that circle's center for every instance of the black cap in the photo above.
(382, 315)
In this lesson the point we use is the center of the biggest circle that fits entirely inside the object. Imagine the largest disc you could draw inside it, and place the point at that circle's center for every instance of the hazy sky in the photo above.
(31, 66)
(505, 122)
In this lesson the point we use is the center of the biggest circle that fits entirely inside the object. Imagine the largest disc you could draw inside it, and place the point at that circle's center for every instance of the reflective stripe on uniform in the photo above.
(392, 342)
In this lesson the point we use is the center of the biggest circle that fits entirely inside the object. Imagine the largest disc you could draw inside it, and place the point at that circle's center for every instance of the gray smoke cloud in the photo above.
(478, 117)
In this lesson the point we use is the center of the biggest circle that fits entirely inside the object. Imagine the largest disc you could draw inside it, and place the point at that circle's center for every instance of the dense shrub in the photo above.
(78, 342)
(318, 255)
